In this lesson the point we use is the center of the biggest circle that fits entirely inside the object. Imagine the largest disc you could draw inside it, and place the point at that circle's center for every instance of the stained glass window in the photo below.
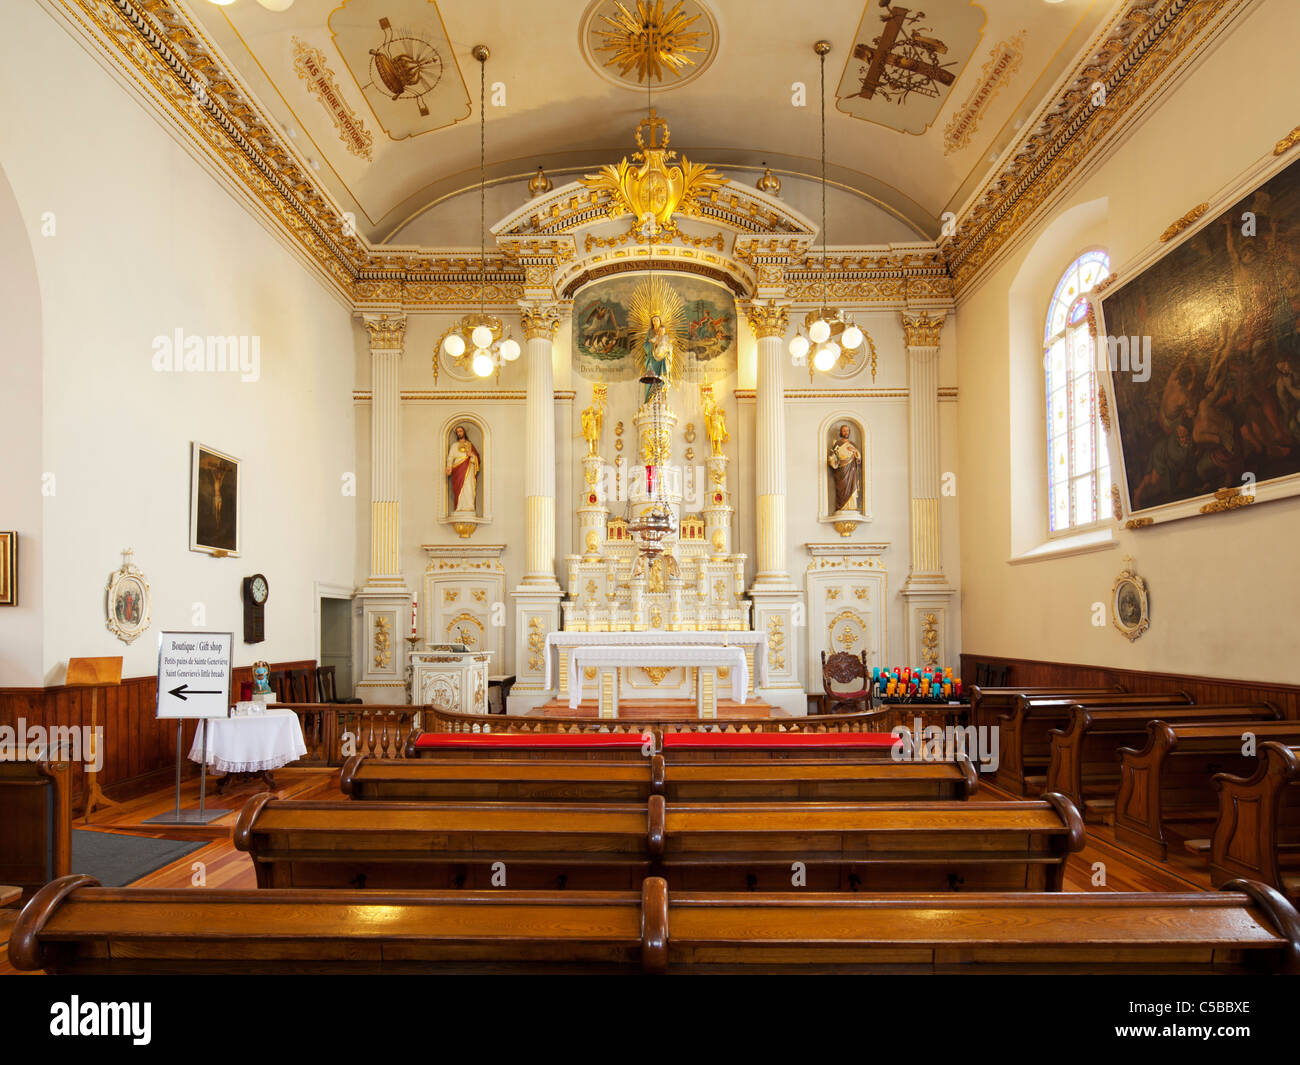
(1078, 461)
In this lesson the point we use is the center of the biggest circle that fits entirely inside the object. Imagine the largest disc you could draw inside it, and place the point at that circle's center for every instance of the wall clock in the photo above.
(255, 590)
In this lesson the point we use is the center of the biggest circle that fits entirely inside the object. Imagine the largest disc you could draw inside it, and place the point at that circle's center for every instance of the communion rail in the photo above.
(333, 732)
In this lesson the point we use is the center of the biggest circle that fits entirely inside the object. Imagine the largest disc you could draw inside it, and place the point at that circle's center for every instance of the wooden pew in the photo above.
(1168, 781)
(35, 823)
(1024, 748)
(989, 704)
(549, 780)
(889, 846)
(73, 926)
(1084, 764)
(1258, 827)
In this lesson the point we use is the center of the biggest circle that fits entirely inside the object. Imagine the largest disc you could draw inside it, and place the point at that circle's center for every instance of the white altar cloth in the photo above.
(257, 743)
(658, 638)
(675, 655)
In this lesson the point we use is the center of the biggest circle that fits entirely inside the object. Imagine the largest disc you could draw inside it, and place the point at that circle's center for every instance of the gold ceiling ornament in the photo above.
(1288, 142)
(769, 182)
(1180, 224)
(655, 190)
(1228, 499)
(539, 184)
(652, 42)
(920, 330)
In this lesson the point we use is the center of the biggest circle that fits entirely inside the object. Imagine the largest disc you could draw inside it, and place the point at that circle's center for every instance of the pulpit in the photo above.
(450, 680)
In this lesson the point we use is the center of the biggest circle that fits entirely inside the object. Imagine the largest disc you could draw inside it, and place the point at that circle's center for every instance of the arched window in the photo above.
(1078, 461)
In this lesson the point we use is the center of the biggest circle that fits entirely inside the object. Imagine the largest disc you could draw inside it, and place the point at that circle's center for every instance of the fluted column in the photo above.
(387, 335)
(769, 322)
(921, 335)
(539, 328)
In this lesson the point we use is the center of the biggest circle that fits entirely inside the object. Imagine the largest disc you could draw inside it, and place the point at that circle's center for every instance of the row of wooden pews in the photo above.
(667, 858)
(1215, 779)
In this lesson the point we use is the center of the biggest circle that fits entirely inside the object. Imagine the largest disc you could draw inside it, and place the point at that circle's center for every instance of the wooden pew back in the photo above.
(75, 926)
(35, 823)
(1258, 827)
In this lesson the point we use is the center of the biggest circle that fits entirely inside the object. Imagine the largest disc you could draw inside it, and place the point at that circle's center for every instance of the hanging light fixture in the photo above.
(492, 342)
(829, 331)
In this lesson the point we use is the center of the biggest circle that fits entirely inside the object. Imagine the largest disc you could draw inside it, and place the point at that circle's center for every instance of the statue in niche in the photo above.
(657, 352)
(845, 461)
(463, 465)
(593, 418)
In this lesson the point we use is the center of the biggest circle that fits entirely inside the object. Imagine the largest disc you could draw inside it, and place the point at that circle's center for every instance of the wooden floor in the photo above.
(225, 867)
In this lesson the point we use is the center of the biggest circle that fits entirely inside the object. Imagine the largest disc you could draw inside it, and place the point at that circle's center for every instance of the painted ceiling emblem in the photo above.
(640, 43)
(904, 60)
(1001, 67)
(398, 53)
(313, 68)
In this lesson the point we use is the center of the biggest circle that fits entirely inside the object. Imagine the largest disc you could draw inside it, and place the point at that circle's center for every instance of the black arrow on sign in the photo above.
(180, 692)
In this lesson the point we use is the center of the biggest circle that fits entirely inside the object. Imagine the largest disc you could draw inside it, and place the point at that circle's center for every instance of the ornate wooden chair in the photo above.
(325, 688)
(843, 668)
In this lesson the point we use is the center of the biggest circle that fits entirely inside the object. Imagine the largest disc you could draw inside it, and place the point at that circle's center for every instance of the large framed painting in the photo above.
(1204, 362)
(8, 568)
(214, 502)
(685, 322)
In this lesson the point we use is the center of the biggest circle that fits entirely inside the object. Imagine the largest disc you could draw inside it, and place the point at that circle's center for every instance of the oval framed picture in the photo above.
(127, 603)
(1129, 608)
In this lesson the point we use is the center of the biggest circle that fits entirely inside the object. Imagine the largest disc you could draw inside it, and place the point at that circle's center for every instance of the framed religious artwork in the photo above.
(214, 502)
(127, 602)
(1129, 609)
(1202, 343)
(8, 568)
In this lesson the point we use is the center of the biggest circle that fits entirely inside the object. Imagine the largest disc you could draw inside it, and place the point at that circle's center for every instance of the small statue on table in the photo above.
(262, 693)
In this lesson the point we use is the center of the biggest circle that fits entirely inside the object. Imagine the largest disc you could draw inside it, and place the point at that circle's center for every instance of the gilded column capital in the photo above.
(770, 319)
(540, 322)
(387, 331)
(921, 330)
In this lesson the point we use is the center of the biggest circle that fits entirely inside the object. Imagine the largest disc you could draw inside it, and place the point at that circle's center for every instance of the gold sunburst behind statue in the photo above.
(653, 43)
(650, 298)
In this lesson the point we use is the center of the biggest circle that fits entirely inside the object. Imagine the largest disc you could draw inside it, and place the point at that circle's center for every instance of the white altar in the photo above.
(451, 680)
(672, 677)
(707, 662)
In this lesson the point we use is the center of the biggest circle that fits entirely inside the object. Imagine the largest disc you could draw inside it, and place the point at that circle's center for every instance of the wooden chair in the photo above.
(844, 668)
(325, 687)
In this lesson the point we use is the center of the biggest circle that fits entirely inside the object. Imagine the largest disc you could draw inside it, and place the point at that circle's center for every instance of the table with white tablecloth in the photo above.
(251, 743)
(604, 662)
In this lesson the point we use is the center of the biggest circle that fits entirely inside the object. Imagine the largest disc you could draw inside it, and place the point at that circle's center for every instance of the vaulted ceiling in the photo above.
(920, 100)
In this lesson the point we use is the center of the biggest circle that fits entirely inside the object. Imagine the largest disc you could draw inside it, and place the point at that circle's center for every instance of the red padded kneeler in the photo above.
(513, 741)
(793, 741)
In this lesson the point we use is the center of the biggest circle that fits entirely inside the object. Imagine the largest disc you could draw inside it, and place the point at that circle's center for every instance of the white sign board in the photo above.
(194, 674)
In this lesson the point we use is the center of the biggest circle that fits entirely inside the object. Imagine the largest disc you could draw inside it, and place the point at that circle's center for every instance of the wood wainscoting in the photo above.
(1028, 672)
(139, 750)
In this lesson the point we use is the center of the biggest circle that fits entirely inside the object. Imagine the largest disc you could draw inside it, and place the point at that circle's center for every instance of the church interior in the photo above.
(649, 486)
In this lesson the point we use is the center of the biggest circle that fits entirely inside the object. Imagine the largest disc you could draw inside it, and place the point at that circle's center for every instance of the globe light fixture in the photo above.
(820, 331)
(454, 345)
(510, 349)
(482, 336)
(482, 363)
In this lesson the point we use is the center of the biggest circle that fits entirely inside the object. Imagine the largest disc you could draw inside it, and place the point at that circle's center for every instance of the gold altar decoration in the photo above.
(652, 42)
(593, 418)
(769, 182)
(654, 191)
(538, 184)
(715, 420)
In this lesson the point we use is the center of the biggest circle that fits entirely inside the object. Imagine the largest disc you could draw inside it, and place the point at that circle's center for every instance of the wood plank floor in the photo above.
(224, 867)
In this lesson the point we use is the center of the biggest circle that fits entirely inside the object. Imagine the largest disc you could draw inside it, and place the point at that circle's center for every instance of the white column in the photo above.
(769, 322)
(384, 604)
(927, 594)
(539, 327)
(778, 602)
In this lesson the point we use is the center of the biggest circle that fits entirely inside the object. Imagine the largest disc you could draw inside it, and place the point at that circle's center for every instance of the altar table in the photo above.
(605, 661)
(560, 646)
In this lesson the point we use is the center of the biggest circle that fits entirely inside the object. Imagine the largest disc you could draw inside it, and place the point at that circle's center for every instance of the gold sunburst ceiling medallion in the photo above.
(633, 45)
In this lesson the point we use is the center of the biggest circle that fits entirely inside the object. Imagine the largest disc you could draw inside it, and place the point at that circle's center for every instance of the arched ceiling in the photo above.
(551, 102)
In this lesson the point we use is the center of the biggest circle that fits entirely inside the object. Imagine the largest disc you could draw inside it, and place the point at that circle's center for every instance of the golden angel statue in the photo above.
(593, 418)
(715, 420)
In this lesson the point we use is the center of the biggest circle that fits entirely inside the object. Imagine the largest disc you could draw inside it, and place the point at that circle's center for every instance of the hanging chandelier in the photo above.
(828, 331)
(492, 342)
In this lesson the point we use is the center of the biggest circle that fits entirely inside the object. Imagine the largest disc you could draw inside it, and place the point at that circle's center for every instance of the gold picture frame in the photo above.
(8, 568)
(1129, 604)
(214, 502)
(128, 603)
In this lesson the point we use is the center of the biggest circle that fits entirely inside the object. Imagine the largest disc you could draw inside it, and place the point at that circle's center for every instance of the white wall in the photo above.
(1224, 588)
(147, 242)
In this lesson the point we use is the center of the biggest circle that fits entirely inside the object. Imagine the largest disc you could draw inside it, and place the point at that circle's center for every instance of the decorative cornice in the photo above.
(387, 332)
(920, 330)
(770, 319)
(1143, 46)
(540, 322)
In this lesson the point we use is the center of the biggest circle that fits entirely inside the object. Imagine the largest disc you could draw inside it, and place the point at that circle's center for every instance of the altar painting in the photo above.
(613, 318)
(1221, 408)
